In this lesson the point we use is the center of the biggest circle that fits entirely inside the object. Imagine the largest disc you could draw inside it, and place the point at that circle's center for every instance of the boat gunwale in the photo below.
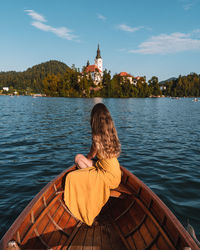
(127, 175)
(27, 210)
(159, 203)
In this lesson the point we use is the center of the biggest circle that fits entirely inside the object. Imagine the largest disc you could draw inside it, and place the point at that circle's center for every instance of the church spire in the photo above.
(98, 53)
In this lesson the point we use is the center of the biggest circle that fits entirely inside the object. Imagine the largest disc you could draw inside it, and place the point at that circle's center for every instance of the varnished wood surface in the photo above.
(133, 218)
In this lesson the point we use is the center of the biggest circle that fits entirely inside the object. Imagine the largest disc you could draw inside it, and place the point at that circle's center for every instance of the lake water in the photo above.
(160, 138)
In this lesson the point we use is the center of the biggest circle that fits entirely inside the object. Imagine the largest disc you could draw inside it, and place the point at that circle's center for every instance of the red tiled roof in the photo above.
(92, 68)
(125, 74)
(95, 89)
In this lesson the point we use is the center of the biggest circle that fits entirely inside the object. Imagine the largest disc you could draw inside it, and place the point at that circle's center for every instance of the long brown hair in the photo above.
(104, 134)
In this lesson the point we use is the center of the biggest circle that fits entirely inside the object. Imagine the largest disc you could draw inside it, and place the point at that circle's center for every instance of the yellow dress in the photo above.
(87, 190)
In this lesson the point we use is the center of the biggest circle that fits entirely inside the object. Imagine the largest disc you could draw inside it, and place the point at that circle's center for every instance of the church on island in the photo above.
(96, 70)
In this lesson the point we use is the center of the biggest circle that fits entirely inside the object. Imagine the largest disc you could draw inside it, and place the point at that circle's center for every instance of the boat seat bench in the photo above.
(120, 191)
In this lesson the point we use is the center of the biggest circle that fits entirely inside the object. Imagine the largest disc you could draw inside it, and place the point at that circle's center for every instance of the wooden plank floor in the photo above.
(102, 236)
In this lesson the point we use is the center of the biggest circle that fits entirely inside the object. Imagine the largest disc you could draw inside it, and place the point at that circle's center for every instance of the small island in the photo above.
(56, 79)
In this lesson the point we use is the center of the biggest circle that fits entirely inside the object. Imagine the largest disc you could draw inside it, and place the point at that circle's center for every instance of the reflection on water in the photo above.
(97, 100)
(160, 144)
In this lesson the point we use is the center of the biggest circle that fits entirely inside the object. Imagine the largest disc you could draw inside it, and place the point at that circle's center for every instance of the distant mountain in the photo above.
(168, 80)
(32, 78)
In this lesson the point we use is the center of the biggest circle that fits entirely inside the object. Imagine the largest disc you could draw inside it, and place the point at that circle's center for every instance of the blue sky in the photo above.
(141, 37)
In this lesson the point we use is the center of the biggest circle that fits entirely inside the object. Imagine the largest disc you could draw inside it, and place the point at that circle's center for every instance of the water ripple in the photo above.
(160, 144)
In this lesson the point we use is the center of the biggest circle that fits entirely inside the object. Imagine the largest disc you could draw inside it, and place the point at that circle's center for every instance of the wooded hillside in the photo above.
(31, 80)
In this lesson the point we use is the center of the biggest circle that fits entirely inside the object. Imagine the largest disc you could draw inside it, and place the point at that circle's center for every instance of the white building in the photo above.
(125, 76)
(5, 89)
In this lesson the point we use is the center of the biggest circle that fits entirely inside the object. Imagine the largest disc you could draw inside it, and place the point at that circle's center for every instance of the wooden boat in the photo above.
(133, 218)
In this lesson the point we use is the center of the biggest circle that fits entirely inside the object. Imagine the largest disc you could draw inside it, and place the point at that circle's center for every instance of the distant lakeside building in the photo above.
(124, 76)
(6, 89)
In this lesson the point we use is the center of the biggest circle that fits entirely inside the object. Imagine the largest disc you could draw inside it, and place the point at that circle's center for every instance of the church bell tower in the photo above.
(98, 60)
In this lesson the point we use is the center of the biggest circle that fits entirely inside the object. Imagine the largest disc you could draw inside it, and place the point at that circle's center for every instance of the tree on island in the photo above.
(154, 86)
(183, 86)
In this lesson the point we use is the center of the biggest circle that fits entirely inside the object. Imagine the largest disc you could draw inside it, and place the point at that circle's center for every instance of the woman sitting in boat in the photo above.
(88, 188)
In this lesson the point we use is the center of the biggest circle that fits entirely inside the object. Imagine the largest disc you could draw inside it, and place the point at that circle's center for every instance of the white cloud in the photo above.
(35, 16)
(127, 28)
(187, 4)
(196, 31)
(166, 44)
(62, 32)
(99, 16)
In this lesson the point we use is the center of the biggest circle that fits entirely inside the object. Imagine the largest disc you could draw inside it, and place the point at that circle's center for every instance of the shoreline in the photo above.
(152, 97)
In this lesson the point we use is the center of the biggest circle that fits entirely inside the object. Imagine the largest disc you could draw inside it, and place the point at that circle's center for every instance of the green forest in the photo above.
(55, 78)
